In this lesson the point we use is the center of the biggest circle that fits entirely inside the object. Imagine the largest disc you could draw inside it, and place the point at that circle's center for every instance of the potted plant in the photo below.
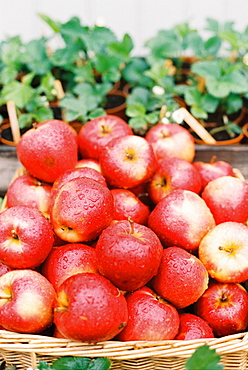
(218, 101)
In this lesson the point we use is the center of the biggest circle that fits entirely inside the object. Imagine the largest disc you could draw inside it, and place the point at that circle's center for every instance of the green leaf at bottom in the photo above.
(204, 358)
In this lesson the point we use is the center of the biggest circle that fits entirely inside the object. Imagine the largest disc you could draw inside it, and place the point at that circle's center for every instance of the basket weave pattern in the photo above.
(26, 350)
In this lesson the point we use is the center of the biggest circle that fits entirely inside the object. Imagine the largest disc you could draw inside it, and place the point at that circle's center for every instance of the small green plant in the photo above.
(84, 103)
(204, 358)
(225, 83)
(144, 107)
(77, 363)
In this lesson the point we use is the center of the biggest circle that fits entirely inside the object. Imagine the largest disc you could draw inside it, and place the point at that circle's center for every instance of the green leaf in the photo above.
(198, 112)
(71, 363)
(209, 103)
(212, 25)
(220, 88)
(238, 82)
(17, 92)
(36, 58)
(8, 74)
(43, 114)
(192, 96)
(55, 25)
(204, 358)
(122, 48)
(152, 117)
(135, 110)
(137, 123)
(234, 103)
(25, 120)
(139, 95)
(207, 69)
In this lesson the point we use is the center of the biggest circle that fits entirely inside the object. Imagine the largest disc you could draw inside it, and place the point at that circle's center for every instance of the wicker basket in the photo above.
(26, 350)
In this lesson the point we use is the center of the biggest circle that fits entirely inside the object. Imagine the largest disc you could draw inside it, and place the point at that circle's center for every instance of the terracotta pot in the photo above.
(229, 141)
(6, 134)
(116, 104)
(245, 132)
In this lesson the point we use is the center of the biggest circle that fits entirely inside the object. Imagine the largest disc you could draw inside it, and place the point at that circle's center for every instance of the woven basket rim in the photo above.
(46, 345)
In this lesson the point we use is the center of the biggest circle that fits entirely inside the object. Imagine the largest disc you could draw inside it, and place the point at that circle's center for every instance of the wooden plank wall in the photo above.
(140, 18)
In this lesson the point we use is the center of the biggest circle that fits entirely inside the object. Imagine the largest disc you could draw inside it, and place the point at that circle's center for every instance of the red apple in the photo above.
(224, 252)
(89, 308)
(213, 169)
(77, 173)
(181, 219)
(67, 260)
(227, 198)
(26, 237)
(193, 327)
(181, 279)
(81, 209)
(96, 134)
(26, 301)
(127, 161)
(49, 149)
(171, 140)
(87, 162)
(171, 174)
(4, 268)
(149, 317)
(127, 205)
(128, 254)
(225, 308)
(29, 191)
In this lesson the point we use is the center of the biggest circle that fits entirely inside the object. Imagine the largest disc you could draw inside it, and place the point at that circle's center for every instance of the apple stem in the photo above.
(131, 224)
(228, 250)
(14, 235)
(213, 159)
(105, 130)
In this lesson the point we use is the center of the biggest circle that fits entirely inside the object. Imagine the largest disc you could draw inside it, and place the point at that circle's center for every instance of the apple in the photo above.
(48, 149)
(225, 308)
(81, 209)
(224, 252)
(27, 190)
(149, 317)
(181, 278)
(96, 134)
(171, 140)
(171, 174)
(193, 327)
(89, 308)
(26, 237)
(4, 268)
(77, 173)
(26, 301)
(67, 260)
(127, 205)
(127, 161)
(181, 219)
(128, 254)
(213, 169)
(227, 198)
(87, 162)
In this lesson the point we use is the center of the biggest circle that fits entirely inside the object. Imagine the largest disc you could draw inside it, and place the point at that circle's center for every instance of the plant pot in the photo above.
(116, 104)
(222, 137)
(6, 137)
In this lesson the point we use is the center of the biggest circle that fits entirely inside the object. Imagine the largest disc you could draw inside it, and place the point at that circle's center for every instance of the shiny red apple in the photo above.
(128, 254)
(96, 133)
(89, 308)
(149, 317)
(127, 161)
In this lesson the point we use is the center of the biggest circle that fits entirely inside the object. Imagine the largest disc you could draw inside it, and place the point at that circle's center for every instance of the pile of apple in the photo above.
(112, 236)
